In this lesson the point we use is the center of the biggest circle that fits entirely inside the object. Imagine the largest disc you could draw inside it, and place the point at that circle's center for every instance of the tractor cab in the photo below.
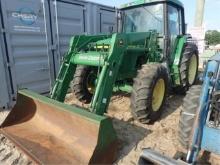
(164, 16)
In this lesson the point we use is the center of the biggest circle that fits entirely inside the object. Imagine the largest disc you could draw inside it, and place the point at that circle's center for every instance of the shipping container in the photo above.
(6, 90)
(78, 17)
(35, 35)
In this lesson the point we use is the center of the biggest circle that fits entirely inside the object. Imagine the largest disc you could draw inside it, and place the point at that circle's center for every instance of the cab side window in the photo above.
(174, 18)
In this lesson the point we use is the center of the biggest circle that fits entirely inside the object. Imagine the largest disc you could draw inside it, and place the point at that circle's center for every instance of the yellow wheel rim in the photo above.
(192, 69)
(90, 88)
(158, 94)
(90, 82)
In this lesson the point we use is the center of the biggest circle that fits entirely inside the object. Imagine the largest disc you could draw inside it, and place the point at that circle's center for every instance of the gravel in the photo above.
(10, 155)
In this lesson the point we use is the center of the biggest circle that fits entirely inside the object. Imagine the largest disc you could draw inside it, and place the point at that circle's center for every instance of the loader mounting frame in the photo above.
(111, 62)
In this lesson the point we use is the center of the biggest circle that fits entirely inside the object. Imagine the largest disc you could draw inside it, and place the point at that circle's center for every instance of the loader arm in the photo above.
(108, 75)
(120, 43)
(109, 62)
(67, 68)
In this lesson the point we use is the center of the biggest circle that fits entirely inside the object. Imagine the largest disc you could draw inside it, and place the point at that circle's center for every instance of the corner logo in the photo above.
(26, 16)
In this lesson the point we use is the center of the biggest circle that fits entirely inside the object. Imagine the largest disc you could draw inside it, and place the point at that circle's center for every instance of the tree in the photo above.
(212, 37)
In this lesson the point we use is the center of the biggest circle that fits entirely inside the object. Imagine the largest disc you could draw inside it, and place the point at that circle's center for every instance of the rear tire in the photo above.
(188, 68)
(188, 114)
(144, 106)
(80, 83)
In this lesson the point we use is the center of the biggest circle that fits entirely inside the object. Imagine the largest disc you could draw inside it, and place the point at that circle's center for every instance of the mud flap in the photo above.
(50, 132)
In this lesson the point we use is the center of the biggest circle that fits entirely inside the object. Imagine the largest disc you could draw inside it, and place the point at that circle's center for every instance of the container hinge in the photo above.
(9, 64)
(3, 30)
(53, 47)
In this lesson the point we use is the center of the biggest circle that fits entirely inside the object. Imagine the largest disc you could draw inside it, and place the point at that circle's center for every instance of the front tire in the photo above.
(188, 114)
(149, 93)
(187, 118)
(83, 83)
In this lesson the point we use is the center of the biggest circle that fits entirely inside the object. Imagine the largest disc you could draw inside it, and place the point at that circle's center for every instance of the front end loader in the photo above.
(50, 132)
(150, 56)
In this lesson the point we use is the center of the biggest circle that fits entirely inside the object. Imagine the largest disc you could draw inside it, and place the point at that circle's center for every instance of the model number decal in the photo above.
(92, 58)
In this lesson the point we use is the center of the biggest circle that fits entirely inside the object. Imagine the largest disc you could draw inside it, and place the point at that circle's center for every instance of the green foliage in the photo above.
(212, 37)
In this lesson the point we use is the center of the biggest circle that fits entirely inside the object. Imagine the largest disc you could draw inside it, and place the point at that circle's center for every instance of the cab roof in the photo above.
(142, 2)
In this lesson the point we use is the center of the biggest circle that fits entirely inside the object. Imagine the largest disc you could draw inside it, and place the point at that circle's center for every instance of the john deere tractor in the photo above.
(149, 56)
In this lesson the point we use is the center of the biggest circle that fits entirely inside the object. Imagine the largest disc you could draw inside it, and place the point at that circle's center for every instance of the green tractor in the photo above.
(151, 56)
(148, 57)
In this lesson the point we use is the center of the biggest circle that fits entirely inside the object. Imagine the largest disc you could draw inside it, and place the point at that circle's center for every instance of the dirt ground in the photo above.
(10, 155)
(133, 136)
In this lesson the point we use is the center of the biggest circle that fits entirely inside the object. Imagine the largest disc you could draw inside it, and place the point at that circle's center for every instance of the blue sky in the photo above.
(211, 17)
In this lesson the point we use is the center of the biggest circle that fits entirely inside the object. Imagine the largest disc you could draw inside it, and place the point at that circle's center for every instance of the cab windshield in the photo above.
(143, 19)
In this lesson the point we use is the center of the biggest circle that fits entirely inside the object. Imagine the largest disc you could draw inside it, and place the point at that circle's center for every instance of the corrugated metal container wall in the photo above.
(27, 43)
(35, 35)
(107, 19)
(5, 96)
(72, 17)
(101, 19)
(68, 18)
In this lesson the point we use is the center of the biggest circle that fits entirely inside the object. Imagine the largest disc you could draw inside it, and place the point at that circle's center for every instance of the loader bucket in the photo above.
(50, 132)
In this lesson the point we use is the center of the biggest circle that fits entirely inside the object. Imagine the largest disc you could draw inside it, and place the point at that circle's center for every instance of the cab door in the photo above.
(174, 22)
(175, 26)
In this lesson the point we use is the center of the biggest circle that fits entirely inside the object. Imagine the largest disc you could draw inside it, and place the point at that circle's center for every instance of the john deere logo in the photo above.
(26, 16)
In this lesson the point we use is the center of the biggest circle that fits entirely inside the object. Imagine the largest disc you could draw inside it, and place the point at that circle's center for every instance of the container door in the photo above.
(108, 21)
(28, 43)
(7, 88)
(68, 19)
